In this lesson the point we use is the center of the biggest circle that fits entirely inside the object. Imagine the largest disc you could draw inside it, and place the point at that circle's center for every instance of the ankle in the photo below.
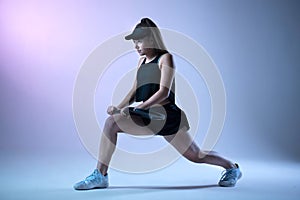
(231, 166)
(103, 172)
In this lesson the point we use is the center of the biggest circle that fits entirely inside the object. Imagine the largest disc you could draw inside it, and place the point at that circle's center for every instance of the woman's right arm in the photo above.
(129, 98)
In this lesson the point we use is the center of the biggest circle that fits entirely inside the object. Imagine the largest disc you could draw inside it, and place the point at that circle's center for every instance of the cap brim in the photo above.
(129, 37)
(138, 33)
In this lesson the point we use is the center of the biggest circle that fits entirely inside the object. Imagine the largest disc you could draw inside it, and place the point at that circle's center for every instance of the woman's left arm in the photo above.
(167, 68)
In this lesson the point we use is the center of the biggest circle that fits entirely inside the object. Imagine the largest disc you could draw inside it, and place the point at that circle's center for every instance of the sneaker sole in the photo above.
(91, 188)
(231, 185)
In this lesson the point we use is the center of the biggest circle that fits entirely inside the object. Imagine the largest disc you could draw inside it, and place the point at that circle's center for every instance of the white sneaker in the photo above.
(230, 177)
(95, 180)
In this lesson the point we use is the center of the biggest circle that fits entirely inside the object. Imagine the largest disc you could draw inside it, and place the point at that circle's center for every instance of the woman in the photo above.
(154, 87)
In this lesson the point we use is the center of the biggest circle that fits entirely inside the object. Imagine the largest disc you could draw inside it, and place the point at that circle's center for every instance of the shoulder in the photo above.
(167, 60)
(166, 57)
(141, 59)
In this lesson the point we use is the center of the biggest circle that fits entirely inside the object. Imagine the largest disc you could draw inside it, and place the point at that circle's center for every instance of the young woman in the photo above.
(154, 87)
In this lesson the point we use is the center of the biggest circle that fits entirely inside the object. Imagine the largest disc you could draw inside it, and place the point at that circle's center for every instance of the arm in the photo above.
(130, 97)
(167, 75)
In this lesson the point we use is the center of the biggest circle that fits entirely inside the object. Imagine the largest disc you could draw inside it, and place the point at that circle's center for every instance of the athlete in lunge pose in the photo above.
(154, 87)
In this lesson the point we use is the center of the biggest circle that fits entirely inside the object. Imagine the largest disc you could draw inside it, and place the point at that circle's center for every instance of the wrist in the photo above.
(119, 107)
(141, 106)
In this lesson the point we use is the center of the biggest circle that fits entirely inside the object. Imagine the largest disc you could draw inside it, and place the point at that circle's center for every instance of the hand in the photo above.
(125, 111)
(112, 110)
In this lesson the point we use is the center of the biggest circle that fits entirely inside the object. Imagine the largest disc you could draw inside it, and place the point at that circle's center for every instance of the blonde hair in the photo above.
(157, 39)
(152, 31)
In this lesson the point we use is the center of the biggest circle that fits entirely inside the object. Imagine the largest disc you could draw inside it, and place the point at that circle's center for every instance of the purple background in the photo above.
(255, 45)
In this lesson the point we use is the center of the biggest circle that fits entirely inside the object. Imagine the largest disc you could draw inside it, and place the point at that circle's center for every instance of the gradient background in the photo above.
(255, 45)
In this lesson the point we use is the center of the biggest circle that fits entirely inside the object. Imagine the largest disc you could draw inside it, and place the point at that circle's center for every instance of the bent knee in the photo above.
(111, 124)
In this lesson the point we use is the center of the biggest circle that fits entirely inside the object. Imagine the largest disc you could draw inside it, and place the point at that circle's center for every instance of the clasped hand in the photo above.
(114, 110)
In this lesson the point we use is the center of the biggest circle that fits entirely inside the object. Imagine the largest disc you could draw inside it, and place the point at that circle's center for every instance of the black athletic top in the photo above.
(148, 81)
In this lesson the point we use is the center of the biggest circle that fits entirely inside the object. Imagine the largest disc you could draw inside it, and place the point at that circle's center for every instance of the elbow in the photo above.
(164, 94)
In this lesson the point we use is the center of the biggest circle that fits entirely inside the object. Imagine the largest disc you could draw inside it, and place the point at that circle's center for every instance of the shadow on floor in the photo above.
(165, 187)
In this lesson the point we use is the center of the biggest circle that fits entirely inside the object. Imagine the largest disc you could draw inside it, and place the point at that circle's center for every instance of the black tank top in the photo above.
(148, 81)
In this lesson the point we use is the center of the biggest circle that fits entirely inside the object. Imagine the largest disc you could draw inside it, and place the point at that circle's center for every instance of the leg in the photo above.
(183, 142)
(113, 125)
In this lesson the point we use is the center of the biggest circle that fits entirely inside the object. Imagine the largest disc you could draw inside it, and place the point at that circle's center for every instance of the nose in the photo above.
(136, 46)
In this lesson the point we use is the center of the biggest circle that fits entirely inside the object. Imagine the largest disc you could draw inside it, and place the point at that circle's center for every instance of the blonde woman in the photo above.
(156, 114)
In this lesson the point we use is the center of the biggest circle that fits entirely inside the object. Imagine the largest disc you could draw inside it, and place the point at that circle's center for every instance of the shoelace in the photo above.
(92, 176)
(228, 174)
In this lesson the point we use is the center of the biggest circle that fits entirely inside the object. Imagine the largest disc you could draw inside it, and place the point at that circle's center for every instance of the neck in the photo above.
(150, 55)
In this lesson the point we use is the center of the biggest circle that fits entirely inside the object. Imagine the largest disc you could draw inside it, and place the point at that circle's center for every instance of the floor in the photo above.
(51, 177)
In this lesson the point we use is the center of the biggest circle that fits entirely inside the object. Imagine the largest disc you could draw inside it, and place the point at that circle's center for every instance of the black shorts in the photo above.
(174, 119)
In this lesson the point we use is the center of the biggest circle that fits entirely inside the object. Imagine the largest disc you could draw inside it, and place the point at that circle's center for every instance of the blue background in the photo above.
(255, 45)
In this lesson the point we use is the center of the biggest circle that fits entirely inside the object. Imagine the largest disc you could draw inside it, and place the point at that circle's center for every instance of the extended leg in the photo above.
(183, 142)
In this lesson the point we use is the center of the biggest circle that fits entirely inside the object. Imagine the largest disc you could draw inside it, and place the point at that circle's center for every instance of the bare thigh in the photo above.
(130, 125)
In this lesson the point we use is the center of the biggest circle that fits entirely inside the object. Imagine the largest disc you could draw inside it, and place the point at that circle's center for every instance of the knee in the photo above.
(110, 124)
(197, 157)
(201, 157)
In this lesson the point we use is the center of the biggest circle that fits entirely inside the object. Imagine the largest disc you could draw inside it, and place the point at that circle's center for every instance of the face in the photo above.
(143, 46)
